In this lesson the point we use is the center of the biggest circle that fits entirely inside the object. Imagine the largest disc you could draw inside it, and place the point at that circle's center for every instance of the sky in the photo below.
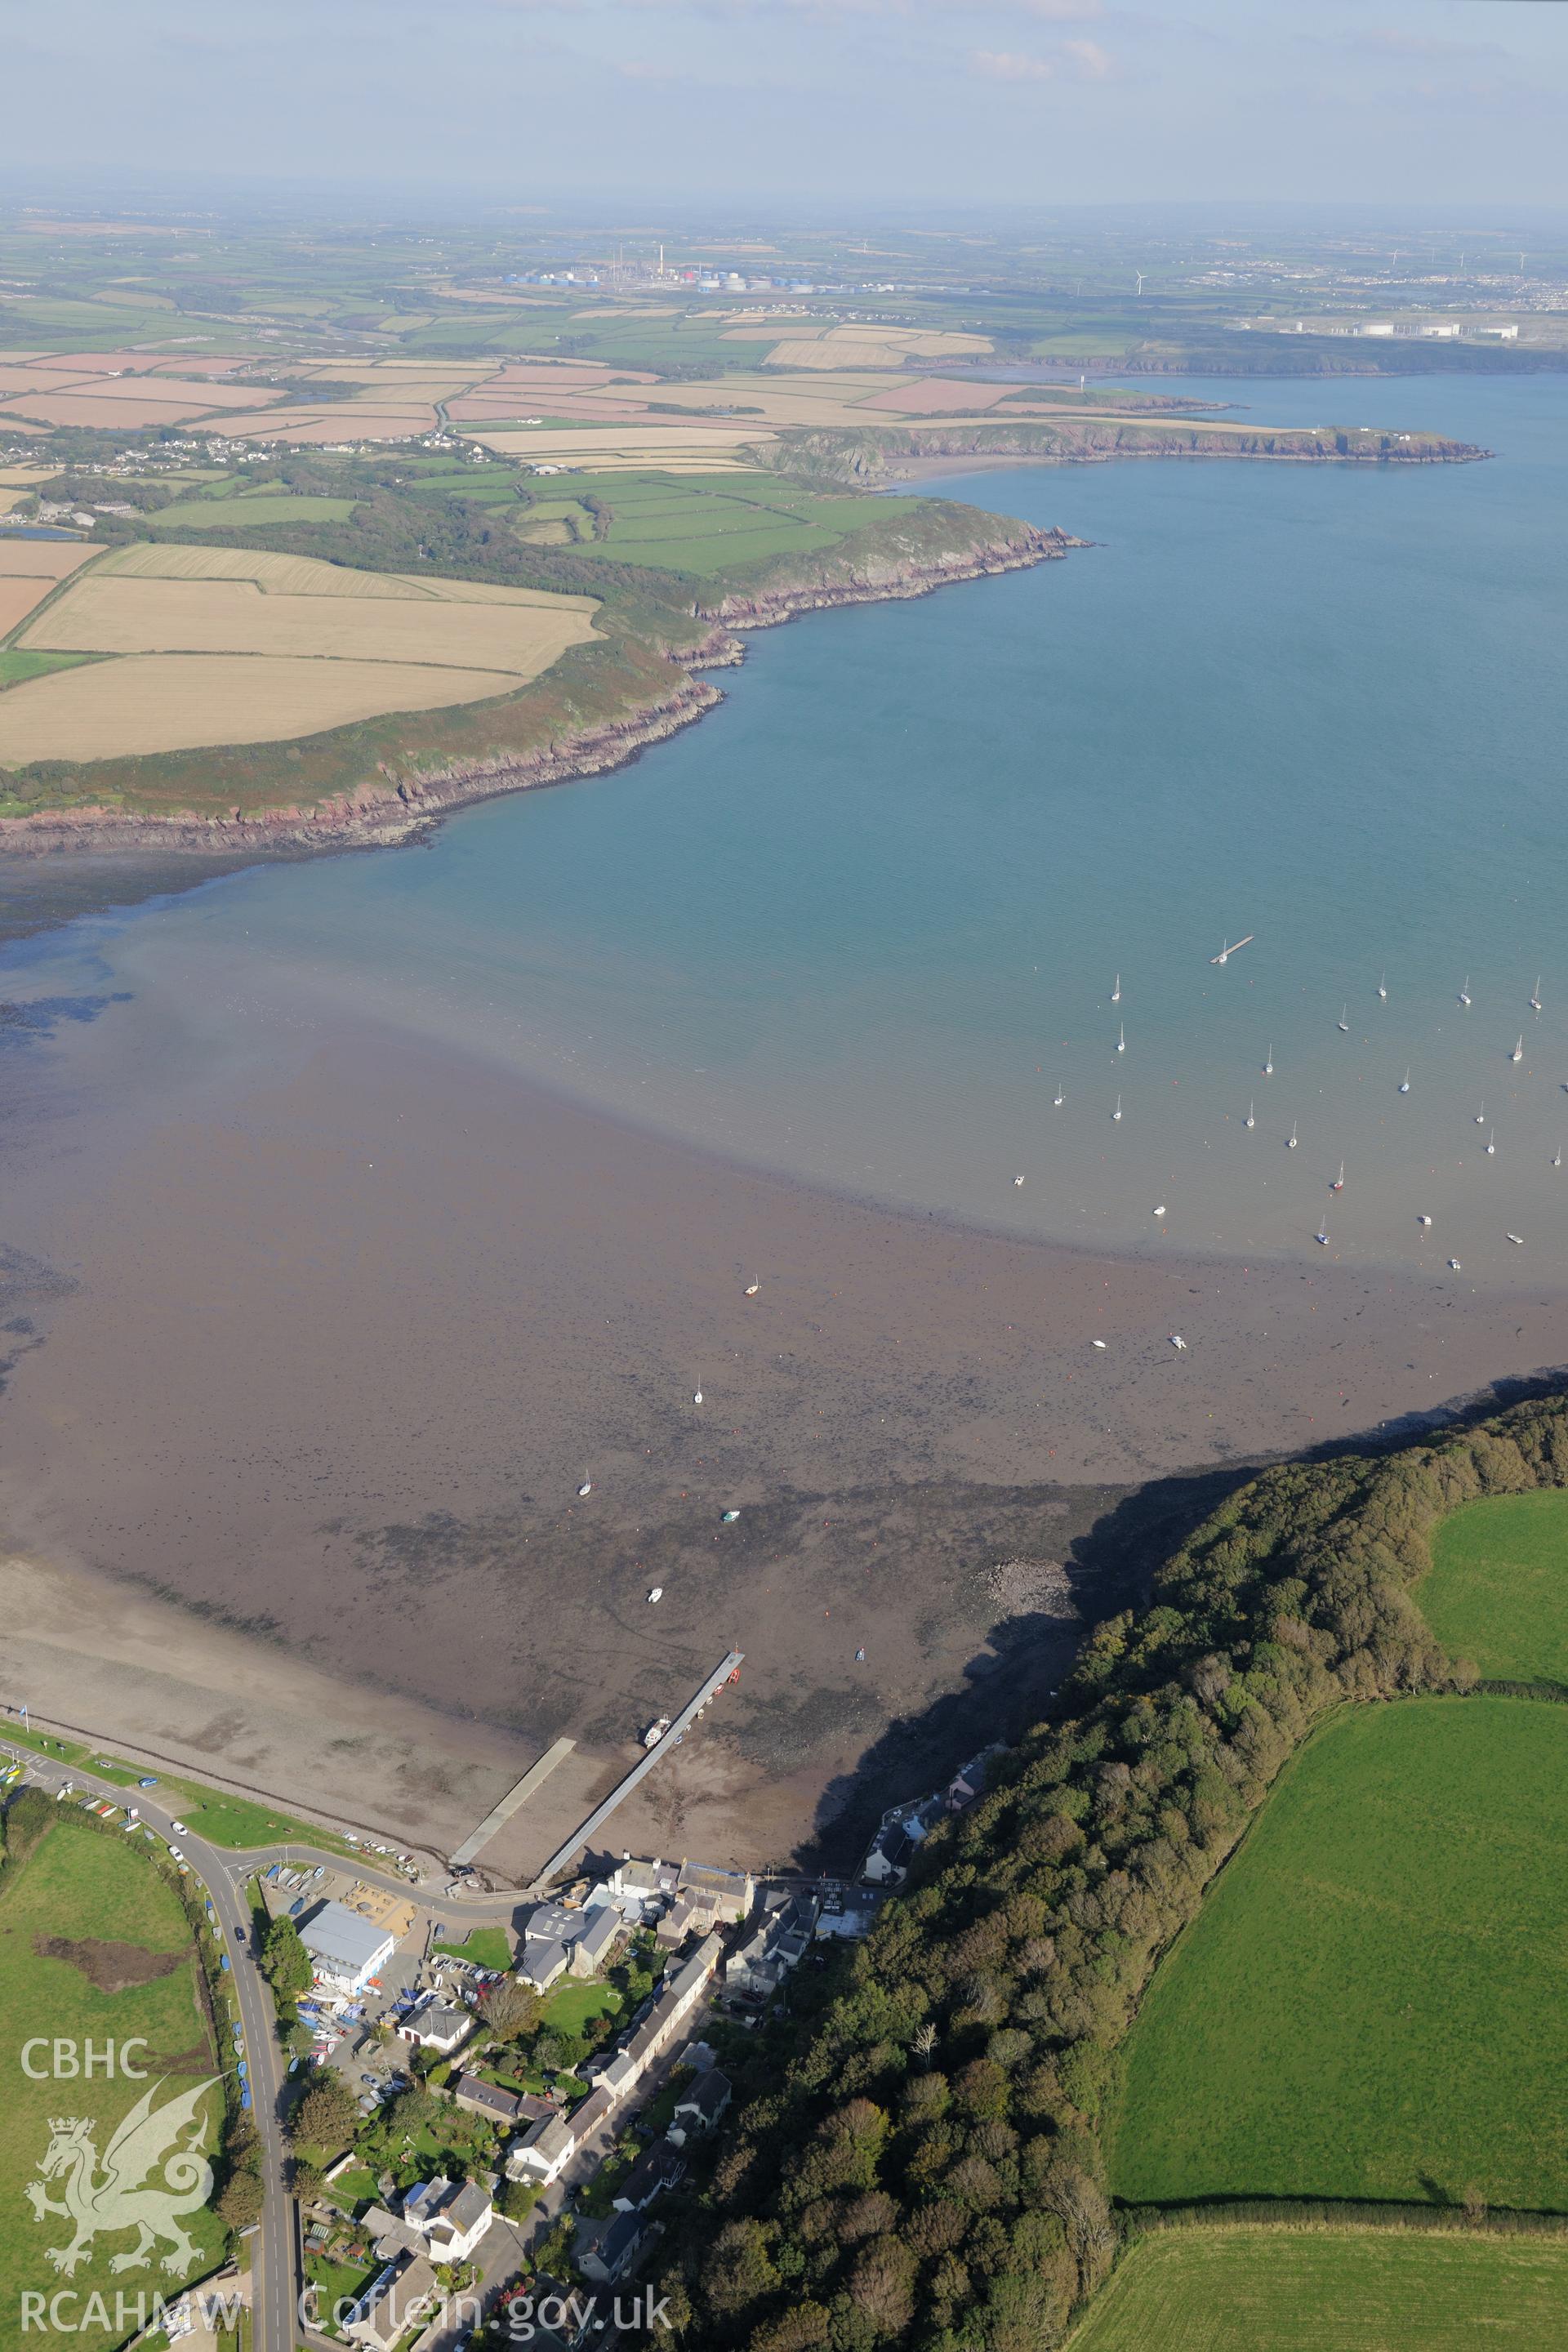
(1443, 103)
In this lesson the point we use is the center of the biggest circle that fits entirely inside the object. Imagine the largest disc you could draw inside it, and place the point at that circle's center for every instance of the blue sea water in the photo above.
(863, 923)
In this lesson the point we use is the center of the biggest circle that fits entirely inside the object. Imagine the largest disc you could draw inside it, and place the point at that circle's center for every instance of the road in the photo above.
(274, 2251)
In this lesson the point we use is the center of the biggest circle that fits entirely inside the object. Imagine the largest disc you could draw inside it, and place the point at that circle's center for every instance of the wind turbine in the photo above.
(1140, 275)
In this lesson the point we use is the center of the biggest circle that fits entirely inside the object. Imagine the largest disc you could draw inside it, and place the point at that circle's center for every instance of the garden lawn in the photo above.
(486, 1948)
(1369, 2002)
(81, 1886)
(568, 2009)
(1498, 1591)
(1259, 2290)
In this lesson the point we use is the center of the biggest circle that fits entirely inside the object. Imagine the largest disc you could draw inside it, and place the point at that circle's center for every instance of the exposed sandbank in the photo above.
(325, 1352)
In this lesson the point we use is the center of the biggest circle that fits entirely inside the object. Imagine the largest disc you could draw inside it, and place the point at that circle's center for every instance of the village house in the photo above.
(610, 2256)
(561, 1939)
(757, 1967)
(699, 2108)
(658, 2167)
(507, 2108)
(435, 2025)
(397, 2300)
(545, 2151)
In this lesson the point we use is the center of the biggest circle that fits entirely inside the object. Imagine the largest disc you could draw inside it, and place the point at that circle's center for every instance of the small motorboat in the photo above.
(1423, 1220)
(1454, 1266)
(1179, 1344)
(730, 1517)
(1097, 1343)
(1018, 1179)
(1160, 1210)
(658, 1593)
(1518, 1240)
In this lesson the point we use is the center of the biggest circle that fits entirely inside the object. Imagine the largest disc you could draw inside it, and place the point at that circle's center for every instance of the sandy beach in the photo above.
(304, 1373)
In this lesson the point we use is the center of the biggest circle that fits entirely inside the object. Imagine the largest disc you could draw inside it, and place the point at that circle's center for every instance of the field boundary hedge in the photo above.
(922, 2161)
(1327, 2213)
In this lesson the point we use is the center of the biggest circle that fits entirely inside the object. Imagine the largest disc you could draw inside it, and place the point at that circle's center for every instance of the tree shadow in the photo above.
(1010, 1681)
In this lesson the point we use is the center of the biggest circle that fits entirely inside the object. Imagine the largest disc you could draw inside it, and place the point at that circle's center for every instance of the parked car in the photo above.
(179, 1829)
(148, 1780)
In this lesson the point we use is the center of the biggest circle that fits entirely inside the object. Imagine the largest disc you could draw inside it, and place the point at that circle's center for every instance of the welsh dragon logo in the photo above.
(164, 2143)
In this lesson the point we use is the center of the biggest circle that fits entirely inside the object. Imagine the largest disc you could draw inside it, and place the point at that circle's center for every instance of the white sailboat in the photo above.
(1121, 1040)
(1481, 1115)
(1117, 1112)
(1324, 1233)
(1383, 986)
(1292, 1145)
(1404, 1081)
(1491, 1143)
(1535, 995)
(1269, 1063)
(1465, 992)
(1250, 1120)
(1058, 1098)
(1518, 1052)
(1344, 1024)
(1116, 992)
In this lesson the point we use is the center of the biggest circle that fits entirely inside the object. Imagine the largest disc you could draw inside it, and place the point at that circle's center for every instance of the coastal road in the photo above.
(274, 2247)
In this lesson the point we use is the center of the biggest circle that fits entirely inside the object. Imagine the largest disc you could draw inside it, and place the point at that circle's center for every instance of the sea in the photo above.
(942, 886)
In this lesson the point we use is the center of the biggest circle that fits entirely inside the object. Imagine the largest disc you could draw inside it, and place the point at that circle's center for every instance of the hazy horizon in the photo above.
(900, 102)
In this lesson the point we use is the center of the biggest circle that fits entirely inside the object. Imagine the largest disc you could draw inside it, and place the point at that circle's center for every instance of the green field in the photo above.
(1259, 2290)
(254, 508)
(83, 1886)
(709, 523)
(1497, 1592)
(17, 666)
(1369, 2002)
